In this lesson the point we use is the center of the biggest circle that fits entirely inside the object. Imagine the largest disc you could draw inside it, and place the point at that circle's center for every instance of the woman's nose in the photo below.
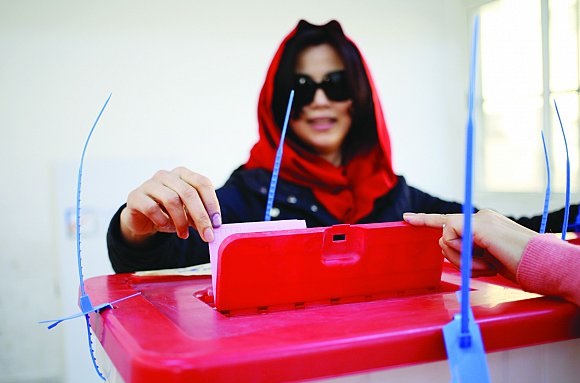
(320, 98)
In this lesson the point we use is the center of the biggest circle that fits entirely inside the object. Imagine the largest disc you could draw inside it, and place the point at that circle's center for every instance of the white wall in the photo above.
(185, 77)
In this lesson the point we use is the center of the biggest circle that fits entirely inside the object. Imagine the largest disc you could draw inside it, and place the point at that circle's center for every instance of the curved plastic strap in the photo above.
(567, 206)
(548, 192)
(278, 160)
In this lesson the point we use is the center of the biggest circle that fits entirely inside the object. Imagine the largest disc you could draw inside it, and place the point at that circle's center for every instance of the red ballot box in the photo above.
(172, 331)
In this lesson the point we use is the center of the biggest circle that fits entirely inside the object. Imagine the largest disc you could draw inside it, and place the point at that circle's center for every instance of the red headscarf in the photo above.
(348, 192)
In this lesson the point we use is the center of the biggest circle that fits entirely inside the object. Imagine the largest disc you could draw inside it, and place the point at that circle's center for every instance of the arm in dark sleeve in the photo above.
(162, 251)
(404, 198)
(554, 223)
(430, 204)
(426, 203)
(421, 202)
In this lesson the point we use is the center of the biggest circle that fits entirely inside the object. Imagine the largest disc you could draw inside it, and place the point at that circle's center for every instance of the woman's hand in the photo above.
(498, 241)
(171, 201)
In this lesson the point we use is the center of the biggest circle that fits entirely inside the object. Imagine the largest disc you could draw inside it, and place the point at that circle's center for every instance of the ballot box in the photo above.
(167, 334)
(173, 332)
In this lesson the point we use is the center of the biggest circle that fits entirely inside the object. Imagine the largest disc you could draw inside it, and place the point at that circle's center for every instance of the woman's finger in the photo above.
(200, 201)
(422, 219)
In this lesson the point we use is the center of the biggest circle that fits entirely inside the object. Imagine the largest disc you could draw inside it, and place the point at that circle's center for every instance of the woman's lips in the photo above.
(322, 123)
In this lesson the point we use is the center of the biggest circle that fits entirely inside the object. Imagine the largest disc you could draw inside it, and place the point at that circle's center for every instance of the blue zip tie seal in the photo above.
(548, 191)
(85, 303)
(278, 161)
(567, 205)
(466, 249)
(463, 342)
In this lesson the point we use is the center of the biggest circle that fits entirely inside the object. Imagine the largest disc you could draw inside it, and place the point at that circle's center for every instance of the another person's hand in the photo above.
(498, 241)
(171, 201)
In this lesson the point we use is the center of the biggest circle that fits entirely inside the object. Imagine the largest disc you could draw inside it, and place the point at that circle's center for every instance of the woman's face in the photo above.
(323, 123)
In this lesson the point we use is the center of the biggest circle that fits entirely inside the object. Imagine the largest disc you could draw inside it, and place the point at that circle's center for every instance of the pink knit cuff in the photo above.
(550, 266)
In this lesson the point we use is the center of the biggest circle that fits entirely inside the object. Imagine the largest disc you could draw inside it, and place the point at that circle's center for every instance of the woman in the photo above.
(540, 263)
(336, 166)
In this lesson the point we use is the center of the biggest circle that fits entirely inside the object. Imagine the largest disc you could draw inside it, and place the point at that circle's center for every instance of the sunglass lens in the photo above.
(335, 86)
(305, 89)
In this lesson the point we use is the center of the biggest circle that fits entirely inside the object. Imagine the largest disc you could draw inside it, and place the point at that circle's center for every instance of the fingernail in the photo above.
(167, 228)
(216, 220)
(208, 234)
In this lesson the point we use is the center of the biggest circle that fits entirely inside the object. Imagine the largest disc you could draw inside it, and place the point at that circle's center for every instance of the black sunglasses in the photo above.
(334, 85)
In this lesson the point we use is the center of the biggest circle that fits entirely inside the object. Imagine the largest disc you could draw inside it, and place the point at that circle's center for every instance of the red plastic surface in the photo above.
(171, 332)
(167, 335)
(276, 270)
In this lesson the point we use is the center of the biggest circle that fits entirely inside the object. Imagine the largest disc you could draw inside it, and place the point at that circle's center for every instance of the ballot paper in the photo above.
(224, 231)
(203, 269)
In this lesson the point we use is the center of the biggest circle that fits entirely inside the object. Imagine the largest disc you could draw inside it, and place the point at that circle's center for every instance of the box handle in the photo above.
(342, 245)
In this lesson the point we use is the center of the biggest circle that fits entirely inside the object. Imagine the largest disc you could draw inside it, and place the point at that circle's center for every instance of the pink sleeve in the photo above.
(550, 266)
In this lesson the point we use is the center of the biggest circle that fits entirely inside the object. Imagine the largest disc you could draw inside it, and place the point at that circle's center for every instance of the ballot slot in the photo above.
(206, 296)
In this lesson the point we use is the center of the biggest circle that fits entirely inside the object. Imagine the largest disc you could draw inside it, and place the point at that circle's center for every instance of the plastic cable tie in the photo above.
(567, 205)
(548, 192)
(466, 364)
(86, 311)
(84, 301)
(466, 249)
(278, 160)
(462, 337)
